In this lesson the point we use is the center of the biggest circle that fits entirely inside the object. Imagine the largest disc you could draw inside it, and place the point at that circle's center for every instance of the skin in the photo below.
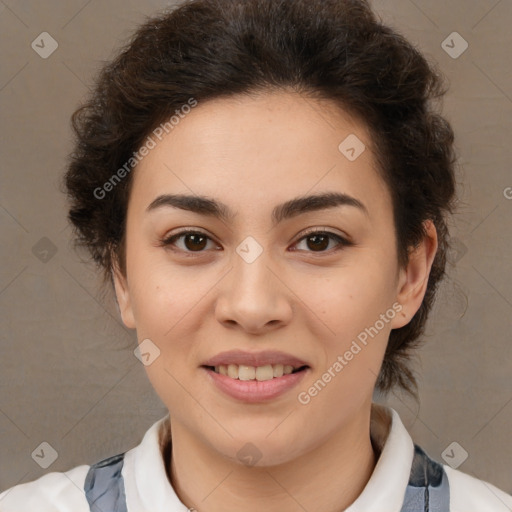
(253, 153)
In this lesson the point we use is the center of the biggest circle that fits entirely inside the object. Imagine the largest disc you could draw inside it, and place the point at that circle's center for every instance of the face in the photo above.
(314, 284)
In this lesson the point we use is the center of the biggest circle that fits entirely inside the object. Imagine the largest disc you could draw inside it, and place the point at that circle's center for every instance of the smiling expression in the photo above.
(290, 247)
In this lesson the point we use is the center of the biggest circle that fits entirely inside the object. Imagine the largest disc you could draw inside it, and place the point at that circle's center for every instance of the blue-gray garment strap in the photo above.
(104, 485)
(428, 489)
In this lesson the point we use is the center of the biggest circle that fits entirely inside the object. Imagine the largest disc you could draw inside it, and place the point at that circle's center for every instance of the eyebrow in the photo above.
(204, 205)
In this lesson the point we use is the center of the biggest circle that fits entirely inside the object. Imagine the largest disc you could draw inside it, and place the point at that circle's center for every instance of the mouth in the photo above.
(255, 377)
(255, 373)
(255, 384)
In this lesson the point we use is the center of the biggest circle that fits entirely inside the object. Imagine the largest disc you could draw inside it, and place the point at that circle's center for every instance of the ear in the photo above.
(123, 297)
(413, 280)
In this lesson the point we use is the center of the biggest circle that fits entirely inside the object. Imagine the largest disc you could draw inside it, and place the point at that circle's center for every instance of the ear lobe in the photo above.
(123, 297)
(413, 280)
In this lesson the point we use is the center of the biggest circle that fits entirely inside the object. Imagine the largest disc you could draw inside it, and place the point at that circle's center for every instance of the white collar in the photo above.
(148, 489)
(385, 490)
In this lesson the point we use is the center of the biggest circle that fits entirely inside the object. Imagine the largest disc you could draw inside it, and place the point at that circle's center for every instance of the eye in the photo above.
(193, 240)
(319, 241)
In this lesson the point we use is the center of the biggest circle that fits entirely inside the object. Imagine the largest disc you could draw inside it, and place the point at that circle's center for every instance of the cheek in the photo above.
(170, 304)
(350, 305)
(351, 297)
(166, 302)
(161, 293)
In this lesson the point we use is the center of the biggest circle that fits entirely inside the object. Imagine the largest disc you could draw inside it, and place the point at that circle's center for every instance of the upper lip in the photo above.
(239, 357)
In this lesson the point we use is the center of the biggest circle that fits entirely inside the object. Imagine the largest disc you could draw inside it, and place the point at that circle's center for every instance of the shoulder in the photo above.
(53, 492)
(99, 483)
(469, 494)
(444, 488)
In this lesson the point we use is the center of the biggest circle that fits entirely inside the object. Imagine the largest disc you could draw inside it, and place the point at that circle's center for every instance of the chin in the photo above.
(258, 449)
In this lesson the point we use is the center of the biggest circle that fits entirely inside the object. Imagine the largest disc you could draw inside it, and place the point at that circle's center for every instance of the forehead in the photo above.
(248, 149)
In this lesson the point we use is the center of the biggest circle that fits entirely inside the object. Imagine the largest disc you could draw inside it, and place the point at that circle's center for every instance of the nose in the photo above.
(253, 297)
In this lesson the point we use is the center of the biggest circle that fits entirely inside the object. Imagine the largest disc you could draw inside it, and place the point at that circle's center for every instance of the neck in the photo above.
(327, 478)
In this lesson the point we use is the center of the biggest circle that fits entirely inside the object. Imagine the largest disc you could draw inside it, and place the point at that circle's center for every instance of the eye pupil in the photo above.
(323, 245)
(195, 241)
(195, 238)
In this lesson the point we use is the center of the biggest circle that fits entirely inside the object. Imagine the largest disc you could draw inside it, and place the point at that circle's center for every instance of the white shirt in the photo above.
(147, 488)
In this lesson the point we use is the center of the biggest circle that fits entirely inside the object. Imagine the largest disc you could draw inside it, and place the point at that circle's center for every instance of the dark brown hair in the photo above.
(327, 49)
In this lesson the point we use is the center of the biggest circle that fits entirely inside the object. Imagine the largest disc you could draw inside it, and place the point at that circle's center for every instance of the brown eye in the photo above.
(318, 241)
(195, 242)
(191, 241)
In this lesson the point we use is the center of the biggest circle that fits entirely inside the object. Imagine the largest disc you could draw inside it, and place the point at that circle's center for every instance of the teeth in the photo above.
(278, 370)
(246, 372)
(264, 372)
(260, 373)
(232, 371)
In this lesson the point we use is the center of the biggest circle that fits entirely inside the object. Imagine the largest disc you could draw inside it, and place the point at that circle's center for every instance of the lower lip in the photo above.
(253, 391)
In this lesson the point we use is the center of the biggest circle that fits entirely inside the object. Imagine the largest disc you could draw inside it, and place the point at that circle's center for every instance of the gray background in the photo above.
(68, 375)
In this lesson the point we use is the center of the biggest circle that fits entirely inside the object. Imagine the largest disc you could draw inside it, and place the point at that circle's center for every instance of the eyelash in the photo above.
(342, 242)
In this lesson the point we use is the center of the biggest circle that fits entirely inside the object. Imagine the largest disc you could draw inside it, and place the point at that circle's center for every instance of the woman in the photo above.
(266, 185)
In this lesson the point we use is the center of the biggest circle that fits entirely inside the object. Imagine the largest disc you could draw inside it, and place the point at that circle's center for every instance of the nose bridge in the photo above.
(251, 268)
(253, 296)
